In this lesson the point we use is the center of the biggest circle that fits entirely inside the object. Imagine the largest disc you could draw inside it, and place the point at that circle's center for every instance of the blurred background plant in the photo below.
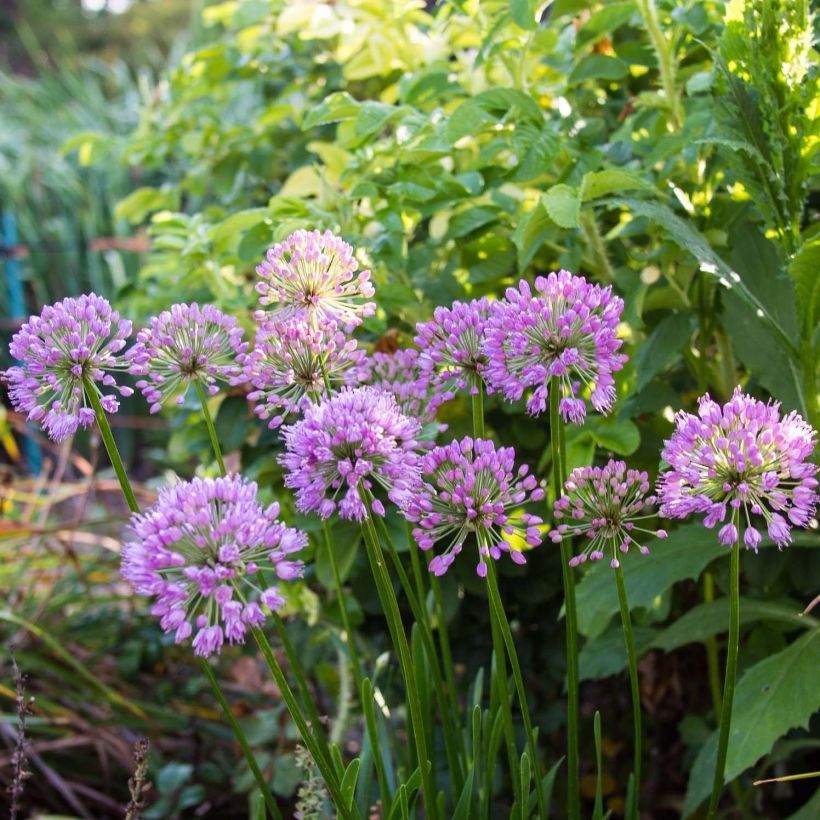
(669, 149)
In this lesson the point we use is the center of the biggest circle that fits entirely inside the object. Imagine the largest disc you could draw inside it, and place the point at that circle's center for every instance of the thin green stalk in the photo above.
(451, 734)
(203, 400)
(391, 610)
(731, 669)
(242, 740)
(711, 646)
(444, 638)
(632, 664)
(571, 615)
(478, 412)
(325, 766)
(349, 638)
(504, 627)
(111, 445)
(666, 60)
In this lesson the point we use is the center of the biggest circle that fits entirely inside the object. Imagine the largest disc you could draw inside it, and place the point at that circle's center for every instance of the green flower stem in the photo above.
(391, 610)
(504, 627)
(349, 637)
(203, 400)
(666, 60)
(325, 766)
(243, 742)
(454, 761)
(711, 646)
(632, 662)
(731, 669)
(571, 615)
(478, 411)
(444, 638)
(111, 445)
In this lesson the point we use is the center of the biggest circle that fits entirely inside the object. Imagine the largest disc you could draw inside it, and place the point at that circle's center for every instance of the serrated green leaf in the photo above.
(563, 205)
(621, 436)
(774, 696)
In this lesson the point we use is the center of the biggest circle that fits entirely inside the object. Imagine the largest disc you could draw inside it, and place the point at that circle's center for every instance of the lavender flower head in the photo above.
(314, 274)
(400, 374)
(566, 329)
(69, 348)
(474, 488)
(603, 504)
(452, 354)
(292, 365)
(742, 456)
(182, 345)
(344, 444)
(207, 552)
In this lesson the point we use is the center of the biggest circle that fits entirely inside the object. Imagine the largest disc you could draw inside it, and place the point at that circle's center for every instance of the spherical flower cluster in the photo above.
(474, 488)
(69, 348)
(566, 329)
(293, 364)
(603, 504)
(344, 444)
(742, 456)
(182, 345)
(452, 353)
(313, 274)
(400, 374)
(204, 551)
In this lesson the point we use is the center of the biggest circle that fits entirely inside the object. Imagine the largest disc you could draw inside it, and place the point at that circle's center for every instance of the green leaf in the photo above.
(173, 776)
(683, 555)
(529, 234)
(606, 655)
(622, 436)
(348, 784)
(335, 108)
(563, 205)
(596, 184)
(523, 13)
(138, 204)
(598, 67)
(346, 540)
(286, 775)
(663, 348)
(232, 423)
(774, 696)
(804, 270)
(463, 808)
(809, 810)
(604, 21)
(470, 220)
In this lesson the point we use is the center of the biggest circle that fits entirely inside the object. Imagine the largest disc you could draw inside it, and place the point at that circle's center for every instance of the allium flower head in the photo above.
(473, 487)
(313, 274)
(565, 329)
(293, 363)
(400, 374)
(207, 551)
(343, 445)
(182, 345)
(741, 456)
(70, 347)
(451, 348)
(603, 503)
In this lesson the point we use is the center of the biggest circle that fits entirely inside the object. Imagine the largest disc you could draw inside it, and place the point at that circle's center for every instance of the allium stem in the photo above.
(203, 400)
(242, 740)
(571, 616)
(632, 663)
(731, 668)
(478, 412)
(324, 764)
(506, 633)
(444, 639)
(111, 445)
(390, 606)
(349, 638)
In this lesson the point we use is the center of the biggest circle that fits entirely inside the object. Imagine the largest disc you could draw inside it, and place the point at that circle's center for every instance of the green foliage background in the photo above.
(668, 149)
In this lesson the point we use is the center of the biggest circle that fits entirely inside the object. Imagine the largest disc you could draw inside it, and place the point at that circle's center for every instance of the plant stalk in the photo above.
(632, 662)
(203, 400)
(731, 670)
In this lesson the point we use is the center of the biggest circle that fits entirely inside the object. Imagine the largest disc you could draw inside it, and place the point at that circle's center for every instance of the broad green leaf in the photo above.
(563, 205)
(138, 204)
(523, 13)
(774, 696)
(529, 234)
(805, 271)
(346, 540)
(598, 67)
(604, 21)
(229, 229)
(622, 436)
(596, 184)
(663, 348)
(712, 618)
(606, 655)
(683, 555)
(336, 107)
(470, 220)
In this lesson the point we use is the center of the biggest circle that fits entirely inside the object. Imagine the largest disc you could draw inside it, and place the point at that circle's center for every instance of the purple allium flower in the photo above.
(292, 364)
(70, 347)
(746, 456)
(400, 374)
(474, 487)
(567, 330)
(604, 503)
(346, 442)
(185, 344)
(314, 274)
(452, 355)
(208, 551)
